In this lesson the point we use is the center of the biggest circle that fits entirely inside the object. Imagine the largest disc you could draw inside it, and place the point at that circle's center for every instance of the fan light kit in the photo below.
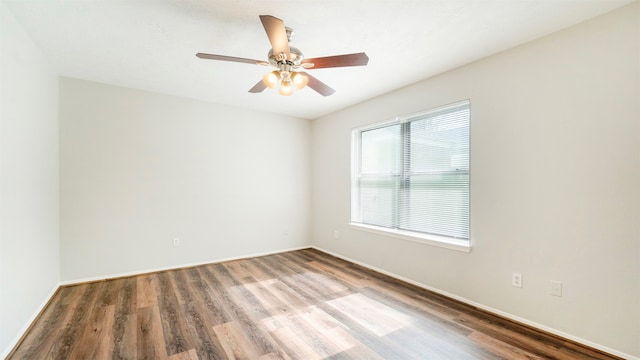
(289, 62)
(285, 76)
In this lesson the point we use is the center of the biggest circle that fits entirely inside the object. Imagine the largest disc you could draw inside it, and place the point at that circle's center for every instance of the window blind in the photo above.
(413, 174)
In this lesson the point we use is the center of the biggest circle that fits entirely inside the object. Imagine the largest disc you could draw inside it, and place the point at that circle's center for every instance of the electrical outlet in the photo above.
(176, 241)
(556, 288)
(516, 280)
(336, 234)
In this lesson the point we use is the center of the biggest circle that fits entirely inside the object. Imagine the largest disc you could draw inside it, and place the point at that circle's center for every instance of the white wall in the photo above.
(555, 182)
(138, 169)
(29, 246)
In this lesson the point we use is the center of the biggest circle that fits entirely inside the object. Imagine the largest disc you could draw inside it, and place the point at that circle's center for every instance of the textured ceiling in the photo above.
(151, 44)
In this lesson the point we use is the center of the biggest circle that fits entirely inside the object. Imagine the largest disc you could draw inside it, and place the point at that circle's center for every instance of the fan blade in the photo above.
(231, 58)
(317, 85)
(276, 33)
(357, 59)
(259, 87)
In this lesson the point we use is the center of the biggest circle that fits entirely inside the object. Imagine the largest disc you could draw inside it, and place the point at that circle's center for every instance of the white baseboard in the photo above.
(485, 308)
(174, 267)
(26, 327)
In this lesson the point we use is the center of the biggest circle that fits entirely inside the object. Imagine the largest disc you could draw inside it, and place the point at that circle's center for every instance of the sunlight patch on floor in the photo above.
(374, 316)
(309, 332)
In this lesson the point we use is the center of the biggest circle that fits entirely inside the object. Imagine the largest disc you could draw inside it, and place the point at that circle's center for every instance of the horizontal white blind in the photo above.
(379, 180)
(413, 174)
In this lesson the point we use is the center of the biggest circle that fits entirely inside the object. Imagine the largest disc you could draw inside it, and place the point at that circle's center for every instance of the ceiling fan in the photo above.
(288, 62)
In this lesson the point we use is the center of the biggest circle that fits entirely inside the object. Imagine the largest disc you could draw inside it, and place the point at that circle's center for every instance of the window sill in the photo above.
(433, 240)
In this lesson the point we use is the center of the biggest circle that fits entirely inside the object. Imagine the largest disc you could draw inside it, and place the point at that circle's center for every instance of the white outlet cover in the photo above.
(516, 280)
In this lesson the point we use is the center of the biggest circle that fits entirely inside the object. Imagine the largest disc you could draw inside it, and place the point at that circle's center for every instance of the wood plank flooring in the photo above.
(296, 305)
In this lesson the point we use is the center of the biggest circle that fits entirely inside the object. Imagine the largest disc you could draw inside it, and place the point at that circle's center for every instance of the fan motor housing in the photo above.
(295, 57)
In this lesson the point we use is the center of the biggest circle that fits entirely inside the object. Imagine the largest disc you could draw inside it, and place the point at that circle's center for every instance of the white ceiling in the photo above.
(151, 44)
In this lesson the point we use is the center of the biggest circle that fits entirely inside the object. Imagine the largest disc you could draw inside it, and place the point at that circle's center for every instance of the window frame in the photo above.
(463, 245)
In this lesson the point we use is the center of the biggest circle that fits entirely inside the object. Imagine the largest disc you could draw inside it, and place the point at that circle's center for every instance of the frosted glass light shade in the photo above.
(299, 80)
(271, 79)
(285, 88)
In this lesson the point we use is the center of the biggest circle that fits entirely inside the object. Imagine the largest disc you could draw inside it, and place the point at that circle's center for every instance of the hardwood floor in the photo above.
(297, 305)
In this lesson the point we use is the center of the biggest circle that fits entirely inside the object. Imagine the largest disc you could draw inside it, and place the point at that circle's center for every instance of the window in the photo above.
(411, 175)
